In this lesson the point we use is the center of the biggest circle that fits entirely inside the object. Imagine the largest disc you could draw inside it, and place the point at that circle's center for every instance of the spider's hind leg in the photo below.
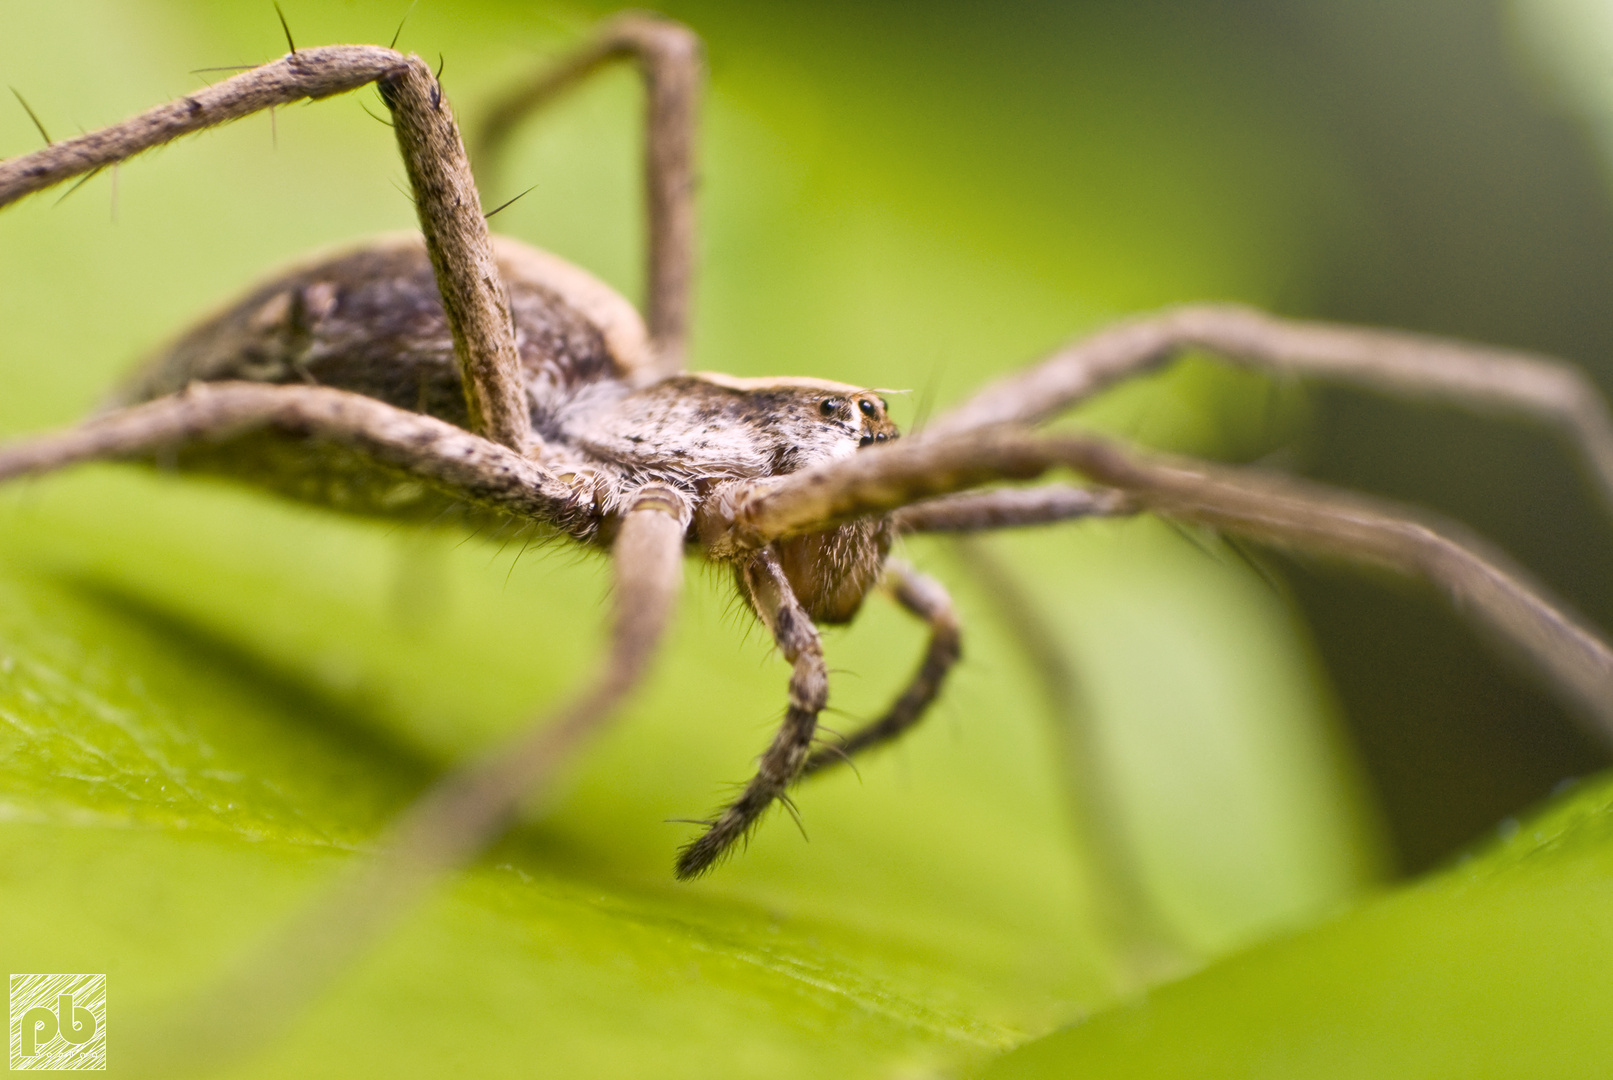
(782, 762)
(444, 193)
(204, 422)
(668, 56)
(924, 597)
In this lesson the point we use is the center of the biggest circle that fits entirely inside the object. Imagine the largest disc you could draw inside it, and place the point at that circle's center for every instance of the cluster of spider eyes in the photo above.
(831, 407)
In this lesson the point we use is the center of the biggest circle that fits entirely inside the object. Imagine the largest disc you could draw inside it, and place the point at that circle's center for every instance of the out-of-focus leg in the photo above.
(668, 55)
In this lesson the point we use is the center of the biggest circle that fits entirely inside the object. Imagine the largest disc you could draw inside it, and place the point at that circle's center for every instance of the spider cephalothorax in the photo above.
(704, 432)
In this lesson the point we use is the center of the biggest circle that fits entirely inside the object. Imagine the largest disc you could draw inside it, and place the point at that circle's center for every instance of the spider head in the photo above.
(758, 427)
(863, 409)
(831, 571)
(720, 428)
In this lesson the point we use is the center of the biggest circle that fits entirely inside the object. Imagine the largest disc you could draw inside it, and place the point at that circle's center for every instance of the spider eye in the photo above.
(830, 406)
(867, 407)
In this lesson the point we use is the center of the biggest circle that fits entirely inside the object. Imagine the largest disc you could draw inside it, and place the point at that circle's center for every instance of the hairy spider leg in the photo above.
(789, 757)
(1479, 378)
(447, 457)
(449, 209)
(668, 56)
(978, 511)
(923, 596)
(775, 603)
(1574, 661)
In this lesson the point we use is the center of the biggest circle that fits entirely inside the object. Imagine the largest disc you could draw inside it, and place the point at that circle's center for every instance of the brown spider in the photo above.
(468, 377)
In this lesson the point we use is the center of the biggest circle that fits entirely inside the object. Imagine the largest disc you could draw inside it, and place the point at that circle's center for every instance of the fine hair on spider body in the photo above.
(451, 375)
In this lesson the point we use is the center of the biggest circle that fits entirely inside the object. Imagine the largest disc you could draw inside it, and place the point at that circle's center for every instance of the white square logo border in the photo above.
(58, 1022)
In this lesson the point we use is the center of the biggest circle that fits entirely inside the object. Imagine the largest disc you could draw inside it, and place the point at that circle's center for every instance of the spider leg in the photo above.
(1265, 508)
(445, 196)
(668, 55)
(781, 763)
(975, 511)
(1475, 377)
(449, 458)
(926, 598)
(449, 826)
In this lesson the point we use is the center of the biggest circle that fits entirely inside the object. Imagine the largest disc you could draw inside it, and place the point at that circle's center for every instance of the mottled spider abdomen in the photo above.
(370, 320)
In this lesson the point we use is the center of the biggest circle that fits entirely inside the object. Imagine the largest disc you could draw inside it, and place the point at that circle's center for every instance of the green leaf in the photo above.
(1496, 967)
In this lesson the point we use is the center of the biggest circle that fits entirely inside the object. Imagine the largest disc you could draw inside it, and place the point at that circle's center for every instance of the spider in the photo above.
(458, 376)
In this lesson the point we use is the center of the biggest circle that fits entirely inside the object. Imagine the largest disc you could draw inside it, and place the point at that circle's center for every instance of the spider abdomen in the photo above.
(370, 320)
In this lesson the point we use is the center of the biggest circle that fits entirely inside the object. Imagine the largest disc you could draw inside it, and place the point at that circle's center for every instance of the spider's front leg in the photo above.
(1478, 378)
(924, 597)
(787, 759)
(1268, 509)
(775, 602)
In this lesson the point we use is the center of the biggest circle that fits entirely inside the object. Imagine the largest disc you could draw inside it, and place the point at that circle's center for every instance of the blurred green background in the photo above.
(207, 696)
